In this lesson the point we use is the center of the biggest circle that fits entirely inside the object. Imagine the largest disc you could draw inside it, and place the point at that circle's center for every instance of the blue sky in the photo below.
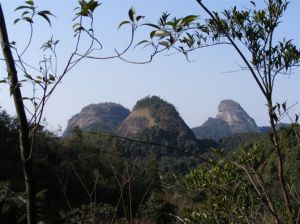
(195, 88)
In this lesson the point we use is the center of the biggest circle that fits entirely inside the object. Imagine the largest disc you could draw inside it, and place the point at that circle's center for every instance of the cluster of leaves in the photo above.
(133, 19)
(169, 31)
(29, 11)
(85, 10)
(254, 28)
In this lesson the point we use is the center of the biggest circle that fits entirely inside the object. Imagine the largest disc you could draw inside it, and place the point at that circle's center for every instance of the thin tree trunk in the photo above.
(280, 167)
(25, 149)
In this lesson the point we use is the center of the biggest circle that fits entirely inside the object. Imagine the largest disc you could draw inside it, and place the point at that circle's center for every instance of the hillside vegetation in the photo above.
(89, 176)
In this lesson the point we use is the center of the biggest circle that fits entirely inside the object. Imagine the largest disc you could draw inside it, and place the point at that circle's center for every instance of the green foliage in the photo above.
(229, 199)
(253, 28)
(88, 214)
(237, 141)
(29, 11)
(207, 194)
(157, 210)
(155, 103)
(213, 129)
(133, 19)
(7, 206)
(12, 205)
(233, 190)
(87, 8)
(170, 30)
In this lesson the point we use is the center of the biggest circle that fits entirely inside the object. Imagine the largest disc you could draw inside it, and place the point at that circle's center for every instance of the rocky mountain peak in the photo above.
(235, 116)
(229, 105)
(230, 119)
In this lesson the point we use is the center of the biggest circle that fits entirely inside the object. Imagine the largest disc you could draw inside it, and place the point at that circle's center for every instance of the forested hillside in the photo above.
(90, 176)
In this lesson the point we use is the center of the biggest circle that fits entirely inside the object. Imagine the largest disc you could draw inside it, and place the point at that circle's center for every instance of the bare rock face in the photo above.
(236, 117)
(231, 119)
(138, 120)
(98, 117)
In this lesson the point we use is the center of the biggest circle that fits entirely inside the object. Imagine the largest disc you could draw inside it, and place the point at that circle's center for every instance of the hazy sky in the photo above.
(195, 88)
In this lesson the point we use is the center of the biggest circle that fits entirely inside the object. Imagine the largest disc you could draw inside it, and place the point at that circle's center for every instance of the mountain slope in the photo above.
(153, 113)
(157, 121)
(154, 120)
(98, 117)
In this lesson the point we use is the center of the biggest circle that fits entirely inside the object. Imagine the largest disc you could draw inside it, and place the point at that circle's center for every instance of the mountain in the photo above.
(230, 119)
(153, 113)
(157, 121)
(98, 117)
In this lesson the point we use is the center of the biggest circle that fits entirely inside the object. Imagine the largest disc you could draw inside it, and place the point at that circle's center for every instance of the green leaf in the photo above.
(51, 77)
(139, 17)
(284, 106)
(188, 19)
(94, 4)
(24, 7)
(30, 2)
(77, 27)
(47, 12)
(45, 17)
(28, 19)
(152, 34)
(24, 13)
(132, 14)
(84, 10)
(152, 25)
(164, 43)
(123, 23)
(159, 33)
(16, 20)
(141, 42)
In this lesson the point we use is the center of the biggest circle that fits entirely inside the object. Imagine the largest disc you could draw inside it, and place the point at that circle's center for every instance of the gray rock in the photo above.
(98, 117)
(231, 119)
(236, 117)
